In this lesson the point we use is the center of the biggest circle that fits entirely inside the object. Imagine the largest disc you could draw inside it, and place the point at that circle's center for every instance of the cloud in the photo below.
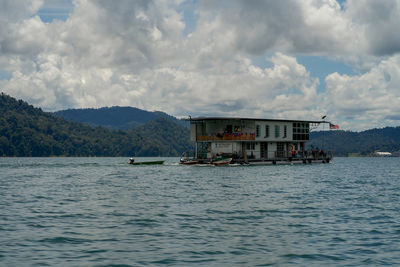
(84, 61)
(315, 27)
(371, 98)
(12, 11)
(136, 53)
(17, 29)
(378, 20)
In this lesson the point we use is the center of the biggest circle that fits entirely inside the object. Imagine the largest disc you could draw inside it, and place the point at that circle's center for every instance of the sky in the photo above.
(289, 59)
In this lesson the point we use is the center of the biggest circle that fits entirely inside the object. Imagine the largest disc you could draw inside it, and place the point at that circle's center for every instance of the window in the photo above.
(266, 131)
(301, 131)
(280, 149)
(251, 146)
(284, 131)
(277, 131)
(258, 131)
(280, 146)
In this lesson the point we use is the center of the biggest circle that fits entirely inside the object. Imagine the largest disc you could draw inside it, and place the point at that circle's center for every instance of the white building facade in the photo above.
(247, 138)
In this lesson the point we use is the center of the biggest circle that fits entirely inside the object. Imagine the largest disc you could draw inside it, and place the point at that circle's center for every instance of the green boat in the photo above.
(156, 162)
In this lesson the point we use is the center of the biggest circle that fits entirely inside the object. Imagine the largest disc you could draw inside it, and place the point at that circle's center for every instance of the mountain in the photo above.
(122, 118)
(172, 139)
(363, 143)
(27, 131)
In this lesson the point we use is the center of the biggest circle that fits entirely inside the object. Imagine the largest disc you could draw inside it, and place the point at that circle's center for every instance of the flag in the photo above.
(333, 126)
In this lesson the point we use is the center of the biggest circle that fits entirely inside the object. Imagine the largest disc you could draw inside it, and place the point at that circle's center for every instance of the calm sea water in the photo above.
(104, 212)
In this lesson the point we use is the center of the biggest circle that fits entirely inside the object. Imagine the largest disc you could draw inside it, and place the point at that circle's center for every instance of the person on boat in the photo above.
(314, 153)
(299, 153)
(131, 160)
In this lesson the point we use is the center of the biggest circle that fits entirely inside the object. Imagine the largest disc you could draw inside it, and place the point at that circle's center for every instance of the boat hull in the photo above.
(158, 162)
(189, 162)
(236, 162)
(222, 162)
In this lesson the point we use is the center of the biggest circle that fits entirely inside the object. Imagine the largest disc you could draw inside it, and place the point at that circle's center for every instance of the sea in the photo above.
(105, 212)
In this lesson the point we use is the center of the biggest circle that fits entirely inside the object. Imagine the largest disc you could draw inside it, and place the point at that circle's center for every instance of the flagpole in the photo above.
(323, 132)
(323, 136)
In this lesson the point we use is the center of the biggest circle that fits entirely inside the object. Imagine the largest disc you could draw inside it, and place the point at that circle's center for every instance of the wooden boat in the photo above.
(221, 161)
(155, 162)
(189, 161)
(215, 161)
(186, 160)
(158, 162)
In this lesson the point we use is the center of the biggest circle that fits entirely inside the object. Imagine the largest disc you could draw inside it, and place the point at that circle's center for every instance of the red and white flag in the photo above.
(333, 126)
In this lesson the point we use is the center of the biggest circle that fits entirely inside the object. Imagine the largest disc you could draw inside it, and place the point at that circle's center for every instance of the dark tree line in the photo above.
(26, 131)
(364, 143)
(117, 118)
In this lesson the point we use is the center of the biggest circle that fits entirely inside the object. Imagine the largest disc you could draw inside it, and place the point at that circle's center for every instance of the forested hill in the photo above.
(28, 131)
(365, 143)
(122, 118)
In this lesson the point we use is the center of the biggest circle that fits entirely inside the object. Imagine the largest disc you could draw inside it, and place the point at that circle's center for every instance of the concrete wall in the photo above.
(222, 147)
(233, 147)
(271, 137)
(192, 132)
(213, 127)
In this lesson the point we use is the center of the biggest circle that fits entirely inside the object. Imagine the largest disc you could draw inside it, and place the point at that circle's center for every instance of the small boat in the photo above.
(216, 161)
(186, 160)
(156, 162)
(189, 162)
(221, 161)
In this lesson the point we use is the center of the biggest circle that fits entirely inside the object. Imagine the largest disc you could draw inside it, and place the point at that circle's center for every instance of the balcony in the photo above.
(227, 137)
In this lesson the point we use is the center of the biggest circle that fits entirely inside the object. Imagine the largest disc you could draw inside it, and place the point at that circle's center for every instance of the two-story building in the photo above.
(252, 140)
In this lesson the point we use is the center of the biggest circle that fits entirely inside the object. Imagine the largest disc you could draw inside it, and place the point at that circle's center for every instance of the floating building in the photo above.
(254, 141)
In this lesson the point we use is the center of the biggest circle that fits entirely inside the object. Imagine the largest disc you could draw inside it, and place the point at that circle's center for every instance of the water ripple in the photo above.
(103, 212)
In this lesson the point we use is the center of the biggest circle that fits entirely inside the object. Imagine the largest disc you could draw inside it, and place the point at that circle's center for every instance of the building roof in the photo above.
(253, 119)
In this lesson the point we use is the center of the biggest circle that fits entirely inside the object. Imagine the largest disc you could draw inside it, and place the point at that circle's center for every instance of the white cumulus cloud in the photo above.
(136, 53)
(371, 99)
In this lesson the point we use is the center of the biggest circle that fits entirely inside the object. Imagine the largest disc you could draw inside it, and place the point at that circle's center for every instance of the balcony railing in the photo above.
(227, 137)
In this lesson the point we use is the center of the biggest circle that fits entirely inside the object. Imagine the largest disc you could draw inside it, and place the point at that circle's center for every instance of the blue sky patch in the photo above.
(55, 9)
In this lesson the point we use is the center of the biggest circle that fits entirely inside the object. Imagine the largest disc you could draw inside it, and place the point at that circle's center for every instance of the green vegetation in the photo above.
(363, 143)
(26, 131)
(354, 155)
(117, 118)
